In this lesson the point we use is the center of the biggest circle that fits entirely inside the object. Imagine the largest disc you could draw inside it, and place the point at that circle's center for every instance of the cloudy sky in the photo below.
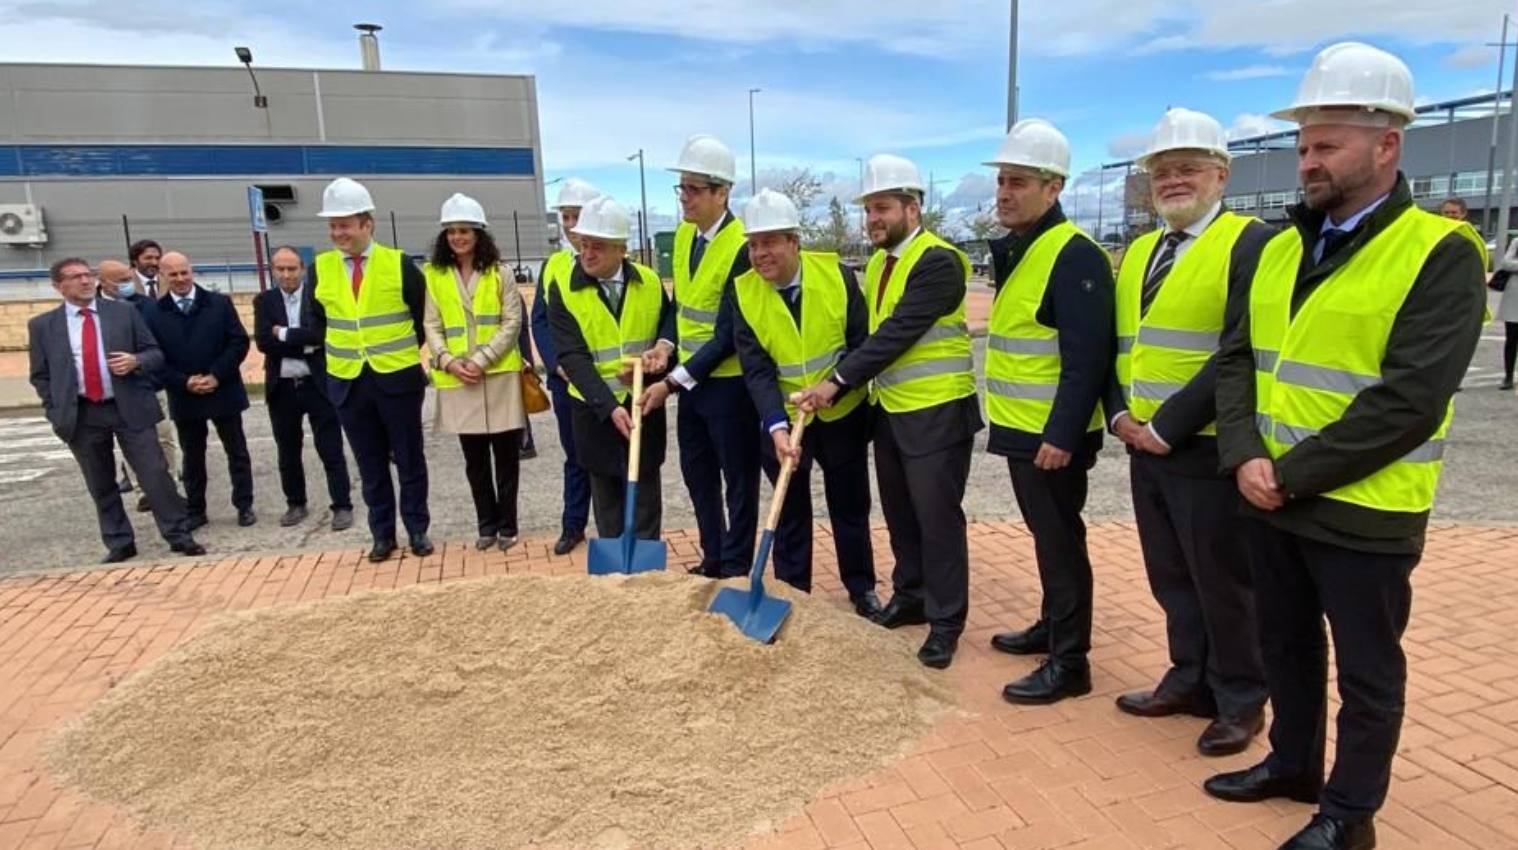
(840, 79)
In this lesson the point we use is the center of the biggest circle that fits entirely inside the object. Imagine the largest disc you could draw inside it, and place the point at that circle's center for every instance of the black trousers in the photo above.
(494, 489)
(1051, 502)
(576, 512)
(1367, 599)
(381, 428)
(608, 495)
(1192, 536)
(291, 401)
(1509, 349)
(718, 450)
(922, 498)
(192, 444)
(840, 448)
(98, 426)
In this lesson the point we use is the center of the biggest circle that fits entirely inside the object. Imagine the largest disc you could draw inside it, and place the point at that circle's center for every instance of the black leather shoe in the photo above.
(1258, 783)
(187, 546)
(567, 542)
(342, 519)
(482, 542)
(866, 605)
(421, 545)
(506, 541)
(294, 516)
(246, 517)
(381, 550)
(143, 505)
(706, 570)
(196, 521)
(528, 453)
(937, 651)
(1158, 703)
(120, 553)
(1050, 683)
(1226, 736)
(1033, 640)
(1505, 385)
(1326, 832)
(899, 612)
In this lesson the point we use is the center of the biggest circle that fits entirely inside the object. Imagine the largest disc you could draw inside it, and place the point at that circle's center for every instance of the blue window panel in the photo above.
(258, 160)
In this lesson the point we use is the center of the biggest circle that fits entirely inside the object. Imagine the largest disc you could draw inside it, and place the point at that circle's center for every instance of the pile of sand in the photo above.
(559, 712)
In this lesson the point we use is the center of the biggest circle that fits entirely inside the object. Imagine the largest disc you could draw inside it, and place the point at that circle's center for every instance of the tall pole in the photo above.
(1491, 153)
(1507, 172)
(1101, 179)
(1012, 69)
(753, 168)
(642, 190)
(862, 228)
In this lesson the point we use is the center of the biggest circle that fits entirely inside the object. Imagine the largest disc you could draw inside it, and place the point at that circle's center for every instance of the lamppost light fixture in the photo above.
(245, 56)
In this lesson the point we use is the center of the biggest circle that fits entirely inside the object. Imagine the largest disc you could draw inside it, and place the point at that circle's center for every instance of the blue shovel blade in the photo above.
(760, 622)
(609, 556)
(647, 556)
(604, 556)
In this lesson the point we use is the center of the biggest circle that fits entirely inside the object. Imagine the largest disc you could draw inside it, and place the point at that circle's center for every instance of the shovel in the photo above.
(756, 615)
(627, 554)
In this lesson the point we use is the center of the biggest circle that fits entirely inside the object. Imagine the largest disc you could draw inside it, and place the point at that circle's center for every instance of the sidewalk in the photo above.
(1079, 774)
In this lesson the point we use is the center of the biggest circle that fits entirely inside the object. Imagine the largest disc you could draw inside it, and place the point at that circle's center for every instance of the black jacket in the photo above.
(269, 311)
(1431, 344)
(721, 345)
(207, 340)
(542, 332)
(759, 371)
(1078, 303)
(414, 293)
(1192, 407)
(934, 289)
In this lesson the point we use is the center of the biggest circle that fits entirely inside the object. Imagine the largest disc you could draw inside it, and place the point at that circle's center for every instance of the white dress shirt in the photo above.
(294, 367)
(76, 344)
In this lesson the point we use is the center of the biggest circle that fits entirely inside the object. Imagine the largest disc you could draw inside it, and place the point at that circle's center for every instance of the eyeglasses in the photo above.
(1182, 171)
(682, 189)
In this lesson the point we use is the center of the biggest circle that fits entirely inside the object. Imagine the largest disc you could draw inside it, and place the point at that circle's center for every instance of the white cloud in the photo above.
(1248, 72)
(1247, 124)
(1128, 145)
(975, 189)
(1471, 56)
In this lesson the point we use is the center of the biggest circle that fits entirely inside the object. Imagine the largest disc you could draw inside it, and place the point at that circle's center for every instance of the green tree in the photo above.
(803, 188)
(836, 233)
(983, 225)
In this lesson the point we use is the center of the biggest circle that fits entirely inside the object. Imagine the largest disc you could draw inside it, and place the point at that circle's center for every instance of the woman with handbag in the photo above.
(1507, 311)
(472, 317)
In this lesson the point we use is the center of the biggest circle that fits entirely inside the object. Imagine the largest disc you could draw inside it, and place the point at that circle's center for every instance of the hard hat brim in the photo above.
(773, 228)
(898, 190)
(594, 234)
(469, 221)
(1143, 159)
(1039, 168)
(326, 214)
(1295, 114)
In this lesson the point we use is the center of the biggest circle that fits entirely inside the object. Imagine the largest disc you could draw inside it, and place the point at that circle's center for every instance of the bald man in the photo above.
(118, 282)
(204, 344)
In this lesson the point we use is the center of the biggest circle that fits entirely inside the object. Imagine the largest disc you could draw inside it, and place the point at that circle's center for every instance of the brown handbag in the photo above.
(534, 399)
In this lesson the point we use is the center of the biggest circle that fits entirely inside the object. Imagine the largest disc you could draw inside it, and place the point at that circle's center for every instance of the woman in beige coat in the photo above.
(472, 319)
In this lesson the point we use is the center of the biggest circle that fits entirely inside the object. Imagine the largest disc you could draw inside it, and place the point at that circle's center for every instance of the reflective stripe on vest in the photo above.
(443, 289)
(698, 296)
(1160, 352)
(938, 368)
(806, 355)
(610, 339)
(1022, 355)
(376, 329)
(1311, 366)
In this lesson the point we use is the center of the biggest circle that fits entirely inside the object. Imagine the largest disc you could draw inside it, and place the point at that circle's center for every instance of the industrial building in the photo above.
(92, 156)
(1445, 153)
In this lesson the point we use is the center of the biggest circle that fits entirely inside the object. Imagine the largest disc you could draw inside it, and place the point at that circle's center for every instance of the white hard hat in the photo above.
(603, 218)
(885, 172)
(1034, 143)
(344, 196)
(575, 193)
(1185, 129)
(462, 209)
(707, 156)
(770, 211)
(1351, 75)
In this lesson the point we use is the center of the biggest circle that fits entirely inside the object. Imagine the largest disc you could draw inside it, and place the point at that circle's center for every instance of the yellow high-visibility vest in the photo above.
(376, 328)
(698, 295)
(609, 338)
(443, 288)
(937, 369)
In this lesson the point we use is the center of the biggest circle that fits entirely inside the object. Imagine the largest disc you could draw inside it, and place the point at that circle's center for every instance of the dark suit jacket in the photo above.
(933, 290)
(208, 340)
(414, 293)
(268, 312)
(52, 366)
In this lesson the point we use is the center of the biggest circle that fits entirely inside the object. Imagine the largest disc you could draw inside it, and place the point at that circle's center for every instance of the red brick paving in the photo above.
(1077, 775)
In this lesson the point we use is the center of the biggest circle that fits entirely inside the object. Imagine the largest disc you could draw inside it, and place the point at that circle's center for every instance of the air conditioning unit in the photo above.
(21, 224)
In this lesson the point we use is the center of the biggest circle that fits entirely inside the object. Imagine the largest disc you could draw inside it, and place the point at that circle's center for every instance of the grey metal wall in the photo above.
(206, 216)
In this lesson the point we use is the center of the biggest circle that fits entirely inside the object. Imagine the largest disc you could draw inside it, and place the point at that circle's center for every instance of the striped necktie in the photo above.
(1162, 266)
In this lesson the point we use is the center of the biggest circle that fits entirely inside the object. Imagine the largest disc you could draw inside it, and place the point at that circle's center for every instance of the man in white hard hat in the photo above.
(370, 300)
(1048, 356)
(918, 357)
(716, 426)
(573, 196)
(610, 308)
(799, 313)
(1179, 292)
(1334, 402)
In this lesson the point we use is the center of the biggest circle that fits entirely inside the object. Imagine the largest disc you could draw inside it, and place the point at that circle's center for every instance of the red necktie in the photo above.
(885, 279)
(89, 352)
(358, 274)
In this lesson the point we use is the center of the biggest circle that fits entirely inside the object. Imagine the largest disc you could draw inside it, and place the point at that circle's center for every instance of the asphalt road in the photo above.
(49, 520)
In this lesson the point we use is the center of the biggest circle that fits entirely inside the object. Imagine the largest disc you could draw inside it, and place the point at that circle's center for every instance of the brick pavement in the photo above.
(1079, 774)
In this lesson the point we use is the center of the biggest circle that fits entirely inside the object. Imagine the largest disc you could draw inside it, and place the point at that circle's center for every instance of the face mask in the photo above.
(126, 290)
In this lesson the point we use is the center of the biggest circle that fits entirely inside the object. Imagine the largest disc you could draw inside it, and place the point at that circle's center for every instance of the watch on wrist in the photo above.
(671, 384)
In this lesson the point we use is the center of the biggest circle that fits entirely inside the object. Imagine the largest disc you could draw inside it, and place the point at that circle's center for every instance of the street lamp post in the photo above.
(643, 190)
(1012, 69)
(753, 169)
(862, 228)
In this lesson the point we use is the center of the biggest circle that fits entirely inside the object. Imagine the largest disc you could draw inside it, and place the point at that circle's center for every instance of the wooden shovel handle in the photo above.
(783, 483)
(635, 439)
